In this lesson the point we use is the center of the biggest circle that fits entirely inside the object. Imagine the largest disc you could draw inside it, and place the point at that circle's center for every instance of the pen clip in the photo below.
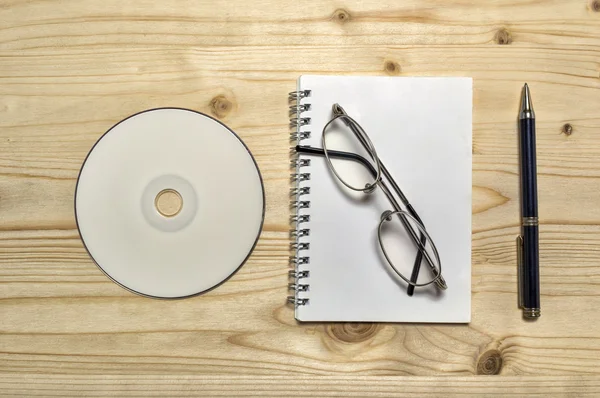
(520, 278)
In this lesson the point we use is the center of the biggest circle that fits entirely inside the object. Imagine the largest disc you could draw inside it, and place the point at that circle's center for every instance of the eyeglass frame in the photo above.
(378, 173)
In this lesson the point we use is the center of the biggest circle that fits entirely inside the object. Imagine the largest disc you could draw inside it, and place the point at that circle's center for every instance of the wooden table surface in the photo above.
(69, 70)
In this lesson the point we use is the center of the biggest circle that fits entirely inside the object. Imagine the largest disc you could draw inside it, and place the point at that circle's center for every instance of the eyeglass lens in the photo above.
(401, 250)
(338, 135)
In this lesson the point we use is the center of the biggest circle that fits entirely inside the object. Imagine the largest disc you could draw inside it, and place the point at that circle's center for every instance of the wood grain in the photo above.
(70, 70)
(278, 386)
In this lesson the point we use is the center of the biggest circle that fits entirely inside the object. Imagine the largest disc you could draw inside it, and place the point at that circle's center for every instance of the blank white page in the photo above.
(422, 130)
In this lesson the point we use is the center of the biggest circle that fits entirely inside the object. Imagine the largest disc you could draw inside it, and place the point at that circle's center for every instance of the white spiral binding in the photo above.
(299, 233)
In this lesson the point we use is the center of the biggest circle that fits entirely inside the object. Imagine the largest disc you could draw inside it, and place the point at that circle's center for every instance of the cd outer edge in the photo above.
(262, 186)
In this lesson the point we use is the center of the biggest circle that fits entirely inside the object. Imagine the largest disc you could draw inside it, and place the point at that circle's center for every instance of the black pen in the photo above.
(528, 242)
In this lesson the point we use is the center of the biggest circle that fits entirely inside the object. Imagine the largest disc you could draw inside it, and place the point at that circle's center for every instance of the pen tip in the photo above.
(526, 111)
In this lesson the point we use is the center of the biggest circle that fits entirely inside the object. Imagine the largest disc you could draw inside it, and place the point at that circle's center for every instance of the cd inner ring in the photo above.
(178, 208)
(168, 202)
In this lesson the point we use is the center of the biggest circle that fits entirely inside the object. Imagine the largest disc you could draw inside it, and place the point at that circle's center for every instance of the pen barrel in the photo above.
(529, 213)
(529, 203)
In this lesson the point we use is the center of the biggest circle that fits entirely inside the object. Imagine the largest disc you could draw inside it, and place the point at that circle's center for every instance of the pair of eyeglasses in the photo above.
(353, 160)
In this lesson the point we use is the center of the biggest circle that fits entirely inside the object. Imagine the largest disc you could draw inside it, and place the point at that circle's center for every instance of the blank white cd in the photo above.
(169, 203)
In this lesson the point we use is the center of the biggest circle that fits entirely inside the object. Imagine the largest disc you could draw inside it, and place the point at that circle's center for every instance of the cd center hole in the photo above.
(168, 202)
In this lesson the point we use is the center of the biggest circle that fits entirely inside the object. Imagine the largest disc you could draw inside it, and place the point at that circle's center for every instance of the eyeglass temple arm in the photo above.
(309, 150)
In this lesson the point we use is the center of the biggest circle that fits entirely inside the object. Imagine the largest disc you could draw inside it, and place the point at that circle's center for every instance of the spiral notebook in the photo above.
(422, 129)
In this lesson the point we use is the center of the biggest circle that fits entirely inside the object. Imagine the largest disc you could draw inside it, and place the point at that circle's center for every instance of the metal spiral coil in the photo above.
(299, 274)
(297, 301)
(299, 233)
(300, 176)
(299, 121)
(299, 287)
(299, 162)
(300, 246)
(298, 108)
(299, 135)
(299, 132)
(299, 191)
(298, 95)
(300, 218)
(300, 204)
(295, 260)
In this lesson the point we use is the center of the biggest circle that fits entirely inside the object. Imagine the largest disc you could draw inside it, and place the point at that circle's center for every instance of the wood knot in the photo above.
(489, 363)
(352, 332)
(567, 129)
(341, 16)
(595, 5)
(220, 106)
(503, 37)
(392, 68)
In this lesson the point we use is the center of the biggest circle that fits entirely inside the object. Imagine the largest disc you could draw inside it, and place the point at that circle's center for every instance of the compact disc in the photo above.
(169, 203)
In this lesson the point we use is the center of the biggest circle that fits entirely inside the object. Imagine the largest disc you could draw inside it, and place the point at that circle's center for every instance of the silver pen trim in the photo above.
(526, 104)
